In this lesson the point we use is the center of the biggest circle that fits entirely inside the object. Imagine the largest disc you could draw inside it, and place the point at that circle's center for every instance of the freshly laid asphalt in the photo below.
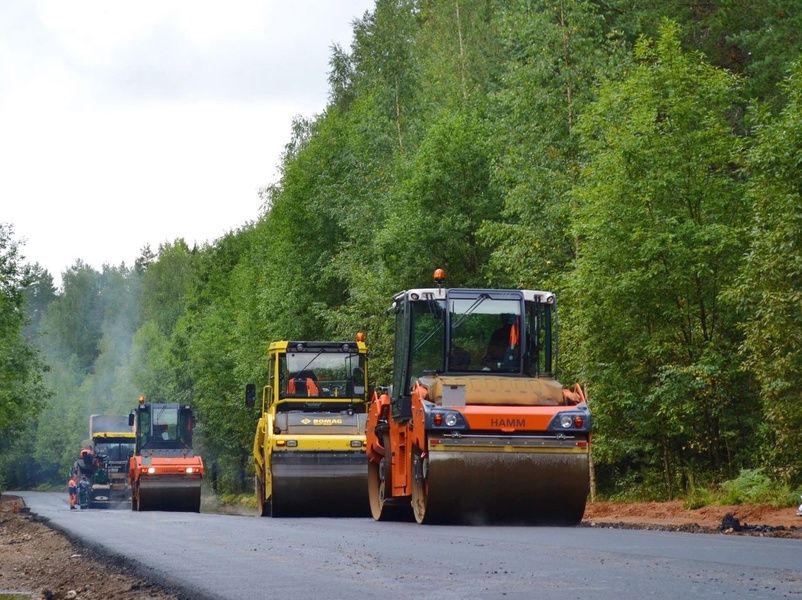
(212, 556)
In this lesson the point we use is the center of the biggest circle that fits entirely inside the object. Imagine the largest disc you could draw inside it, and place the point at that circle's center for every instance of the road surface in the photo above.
(213, 556)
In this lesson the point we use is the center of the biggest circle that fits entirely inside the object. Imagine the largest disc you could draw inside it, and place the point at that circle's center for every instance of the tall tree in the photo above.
(203, 358)
(39, 293)
(771, 285)
(112, 388)
(382, 60)
(662, 225)
(165, 282)
(22, 391)
(459, 54)
(555, 52)
(451, 173)
(74, 320)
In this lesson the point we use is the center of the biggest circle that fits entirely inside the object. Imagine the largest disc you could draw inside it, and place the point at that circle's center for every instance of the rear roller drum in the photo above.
(377, 482)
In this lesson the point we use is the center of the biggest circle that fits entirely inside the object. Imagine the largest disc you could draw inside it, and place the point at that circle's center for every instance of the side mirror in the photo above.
(130, 419)
(250, 395)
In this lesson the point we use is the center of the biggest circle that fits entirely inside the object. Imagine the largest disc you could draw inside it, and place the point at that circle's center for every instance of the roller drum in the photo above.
(173, 495)
(502, 486)
(319, 484)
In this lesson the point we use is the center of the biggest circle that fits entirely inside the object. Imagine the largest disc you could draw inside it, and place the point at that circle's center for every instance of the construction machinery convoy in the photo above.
(309, 446)
(104, 461)
(164, 473)
(477, 432)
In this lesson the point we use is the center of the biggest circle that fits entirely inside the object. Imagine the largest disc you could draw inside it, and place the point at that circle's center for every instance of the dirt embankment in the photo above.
(39, 561)
(735, 519)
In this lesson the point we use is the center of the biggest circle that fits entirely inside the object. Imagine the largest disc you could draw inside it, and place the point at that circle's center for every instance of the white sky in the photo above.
(124, 124)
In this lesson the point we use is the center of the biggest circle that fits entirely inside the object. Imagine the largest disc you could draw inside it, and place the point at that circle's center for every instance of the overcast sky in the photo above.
(124, 124)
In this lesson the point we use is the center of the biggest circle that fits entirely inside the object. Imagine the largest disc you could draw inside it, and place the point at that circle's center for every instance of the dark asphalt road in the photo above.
(234, 557)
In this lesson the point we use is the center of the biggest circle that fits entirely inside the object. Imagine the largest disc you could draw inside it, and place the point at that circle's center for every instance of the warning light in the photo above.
(141, 399)
(360, 336)
(439, 276)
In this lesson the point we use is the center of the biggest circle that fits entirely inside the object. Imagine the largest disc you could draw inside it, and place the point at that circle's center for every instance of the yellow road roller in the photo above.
(309, 446)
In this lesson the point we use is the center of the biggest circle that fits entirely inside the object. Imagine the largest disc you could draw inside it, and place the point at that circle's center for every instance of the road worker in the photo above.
(83, 492)
(72, 487)
(303, 385)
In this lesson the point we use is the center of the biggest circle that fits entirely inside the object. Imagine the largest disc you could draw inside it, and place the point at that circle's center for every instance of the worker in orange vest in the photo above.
(503, 346)
(294, 386)
(73, 489)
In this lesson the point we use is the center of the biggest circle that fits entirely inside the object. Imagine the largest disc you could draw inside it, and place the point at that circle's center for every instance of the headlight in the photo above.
(577, 420)
(446, 418)
(190, 470)
(151, 470)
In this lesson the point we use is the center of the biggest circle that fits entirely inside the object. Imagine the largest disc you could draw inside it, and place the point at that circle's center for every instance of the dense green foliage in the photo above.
(661, 221)
(22, 392)
(641, 160)
(771, 286)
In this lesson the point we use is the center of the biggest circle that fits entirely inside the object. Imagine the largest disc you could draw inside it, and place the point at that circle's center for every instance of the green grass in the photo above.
(244, 500)
(751, 486)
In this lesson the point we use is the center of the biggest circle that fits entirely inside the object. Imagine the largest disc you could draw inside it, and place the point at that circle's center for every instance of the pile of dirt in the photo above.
(36, 560)
(733, 519)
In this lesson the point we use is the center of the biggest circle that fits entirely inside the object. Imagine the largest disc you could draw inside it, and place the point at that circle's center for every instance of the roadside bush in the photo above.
(753, 486)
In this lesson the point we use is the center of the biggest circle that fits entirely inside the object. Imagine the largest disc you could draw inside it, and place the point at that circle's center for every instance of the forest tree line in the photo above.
(642, 160)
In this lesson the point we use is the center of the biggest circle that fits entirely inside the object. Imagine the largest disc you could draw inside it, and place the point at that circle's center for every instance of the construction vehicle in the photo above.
(471, 432)
(104, 461)
(164, 472)
(309, 447)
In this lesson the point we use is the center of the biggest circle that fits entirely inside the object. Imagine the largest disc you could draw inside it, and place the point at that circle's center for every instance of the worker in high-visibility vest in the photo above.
(72, 487)
(504, 342)
(295, 386)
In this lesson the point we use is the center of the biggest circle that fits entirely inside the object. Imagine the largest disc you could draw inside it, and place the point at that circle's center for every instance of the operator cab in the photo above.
(474, 332)
(114, 450)
(163, 426)
(316, 373)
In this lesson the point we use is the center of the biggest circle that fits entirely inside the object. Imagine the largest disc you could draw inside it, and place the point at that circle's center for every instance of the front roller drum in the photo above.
(480, 487)
(173, 496)
(318, 484)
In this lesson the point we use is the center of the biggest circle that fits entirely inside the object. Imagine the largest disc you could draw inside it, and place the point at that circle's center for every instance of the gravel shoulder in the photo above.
(44, 564)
